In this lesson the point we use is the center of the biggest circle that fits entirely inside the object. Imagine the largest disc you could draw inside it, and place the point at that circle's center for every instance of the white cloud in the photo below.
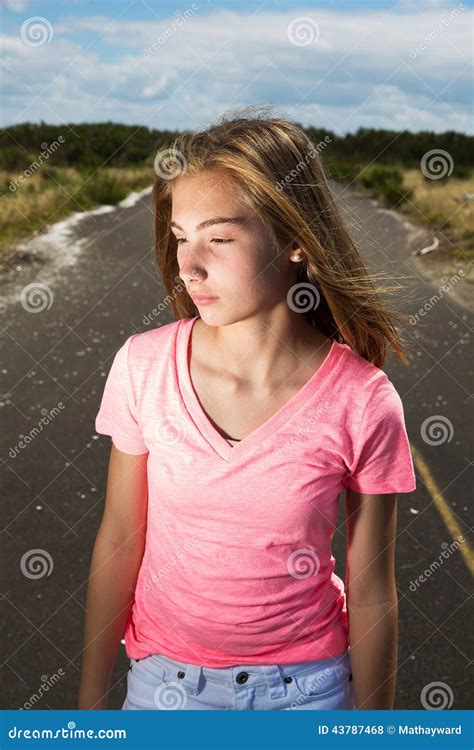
(16, 5)
(362, 69)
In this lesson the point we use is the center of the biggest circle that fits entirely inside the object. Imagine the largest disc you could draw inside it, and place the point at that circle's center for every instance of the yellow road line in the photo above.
(444, 510)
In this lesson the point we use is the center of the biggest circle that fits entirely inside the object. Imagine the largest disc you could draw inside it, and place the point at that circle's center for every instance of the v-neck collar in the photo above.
(226, 451)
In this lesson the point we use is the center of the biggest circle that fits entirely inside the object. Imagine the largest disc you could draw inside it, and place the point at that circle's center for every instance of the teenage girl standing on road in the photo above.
(235, 429)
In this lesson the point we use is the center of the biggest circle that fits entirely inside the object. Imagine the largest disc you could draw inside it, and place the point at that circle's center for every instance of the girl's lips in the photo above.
(203, 300)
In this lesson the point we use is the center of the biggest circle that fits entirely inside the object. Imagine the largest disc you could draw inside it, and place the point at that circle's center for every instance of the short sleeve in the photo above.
(383, 461)
(117, 413)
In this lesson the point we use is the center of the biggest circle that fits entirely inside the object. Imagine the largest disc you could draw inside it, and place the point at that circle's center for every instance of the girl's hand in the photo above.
(372, 602)
(116, 561)
(89, 698)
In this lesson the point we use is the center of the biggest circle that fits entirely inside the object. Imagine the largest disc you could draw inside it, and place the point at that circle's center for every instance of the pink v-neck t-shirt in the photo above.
(238, 565)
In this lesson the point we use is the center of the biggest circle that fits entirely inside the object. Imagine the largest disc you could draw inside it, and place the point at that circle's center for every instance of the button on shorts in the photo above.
(158, 683)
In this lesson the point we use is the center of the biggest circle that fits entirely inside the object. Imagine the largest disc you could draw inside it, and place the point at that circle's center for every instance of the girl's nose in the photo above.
(190, 271)
(193, 274)
(190, 268)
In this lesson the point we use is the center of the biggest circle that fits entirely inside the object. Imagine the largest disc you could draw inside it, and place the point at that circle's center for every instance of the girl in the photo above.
(234, 430)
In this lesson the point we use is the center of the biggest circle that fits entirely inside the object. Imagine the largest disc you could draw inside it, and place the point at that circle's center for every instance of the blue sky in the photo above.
(337, 65)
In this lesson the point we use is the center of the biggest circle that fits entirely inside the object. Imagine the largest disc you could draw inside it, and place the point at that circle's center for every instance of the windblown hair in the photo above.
(279, 175)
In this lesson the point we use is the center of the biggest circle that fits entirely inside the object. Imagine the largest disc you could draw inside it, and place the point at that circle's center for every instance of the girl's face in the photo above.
(235, 262)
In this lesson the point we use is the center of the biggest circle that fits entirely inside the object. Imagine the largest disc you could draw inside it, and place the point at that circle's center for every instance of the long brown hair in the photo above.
(281, 178)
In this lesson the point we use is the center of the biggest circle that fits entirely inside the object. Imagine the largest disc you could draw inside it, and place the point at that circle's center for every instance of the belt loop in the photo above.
(275, 681)
(191, 679)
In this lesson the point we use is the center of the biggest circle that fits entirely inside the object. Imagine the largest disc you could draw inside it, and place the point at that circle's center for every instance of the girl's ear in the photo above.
(297, 255)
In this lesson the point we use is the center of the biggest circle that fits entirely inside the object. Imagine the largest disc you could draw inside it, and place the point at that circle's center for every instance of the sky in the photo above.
(178, 66)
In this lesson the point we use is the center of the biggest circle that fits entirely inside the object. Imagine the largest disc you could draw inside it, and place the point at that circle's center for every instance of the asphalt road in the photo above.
(54, 364)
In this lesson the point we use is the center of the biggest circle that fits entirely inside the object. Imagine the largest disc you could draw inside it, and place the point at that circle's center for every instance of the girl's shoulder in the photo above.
(149, 343)
(147, 352)
(359, 375)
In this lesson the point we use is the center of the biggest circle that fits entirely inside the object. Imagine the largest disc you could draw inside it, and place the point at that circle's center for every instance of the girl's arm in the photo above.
(116, 561)
(372, 601)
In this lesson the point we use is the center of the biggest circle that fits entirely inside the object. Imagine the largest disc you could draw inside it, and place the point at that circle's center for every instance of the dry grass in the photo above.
(49, 195)
(442, 204)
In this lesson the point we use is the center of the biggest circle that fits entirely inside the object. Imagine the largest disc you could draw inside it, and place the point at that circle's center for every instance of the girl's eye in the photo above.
(220, 241)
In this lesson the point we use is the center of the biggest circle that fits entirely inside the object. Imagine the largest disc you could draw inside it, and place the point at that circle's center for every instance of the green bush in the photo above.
(386, 183)
(101, 187)
(50, 174)
(5, 186)
(462, 172)
(343, 171)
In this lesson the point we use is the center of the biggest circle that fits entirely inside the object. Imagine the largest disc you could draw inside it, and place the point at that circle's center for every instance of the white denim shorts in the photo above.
(158, 683)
